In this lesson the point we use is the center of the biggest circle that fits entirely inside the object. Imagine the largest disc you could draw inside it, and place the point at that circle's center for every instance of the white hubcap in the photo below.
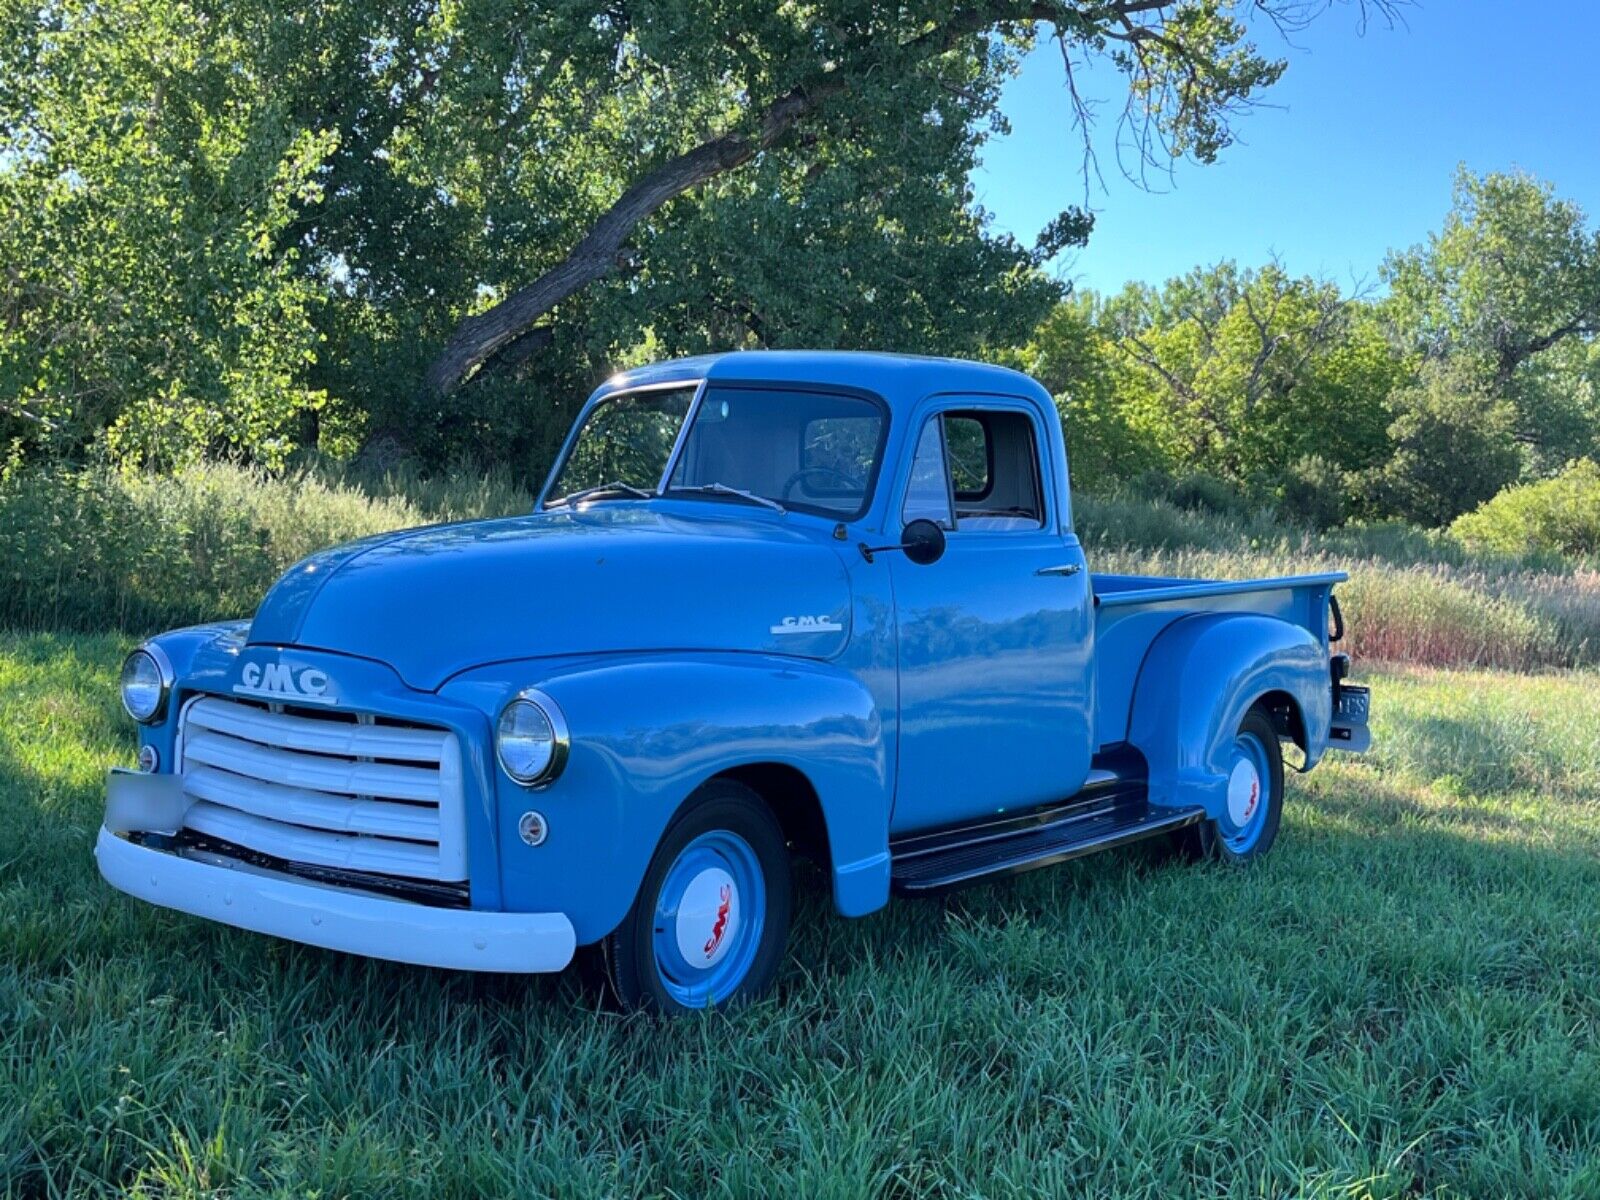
(1244, 794)
(708, 917)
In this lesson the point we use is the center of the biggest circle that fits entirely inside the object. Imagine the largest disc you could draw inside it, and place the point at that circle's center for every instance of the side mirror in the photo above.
(923, 541)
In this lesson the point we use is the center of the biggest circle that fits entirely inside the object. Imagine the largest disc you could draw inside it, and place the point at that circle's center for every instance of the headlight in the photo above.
(146, 682)
(531, 739)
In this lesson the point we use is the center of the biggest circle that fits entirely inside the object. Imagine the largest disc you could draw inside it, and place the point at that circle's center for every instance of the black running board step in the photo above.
(925, 871)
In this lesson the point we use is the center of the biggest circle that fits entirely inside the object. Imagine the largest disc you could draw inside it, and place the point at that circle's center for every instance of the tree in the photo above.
(1243, 373)
(1559, 515)
(1190, 67)
(1510, 283)
(1453, 447)
(466, 211)
(148, 294)
(1080, 365)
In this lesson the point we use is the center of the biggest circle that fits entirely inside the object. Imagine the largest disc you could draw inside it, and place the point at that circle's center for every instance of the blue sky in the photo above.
(1351, 153)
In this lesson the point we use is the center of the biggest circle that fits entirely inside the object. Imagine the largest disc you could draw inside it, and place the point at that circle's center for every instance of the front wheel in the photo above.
(711, 920)
(1249, 824)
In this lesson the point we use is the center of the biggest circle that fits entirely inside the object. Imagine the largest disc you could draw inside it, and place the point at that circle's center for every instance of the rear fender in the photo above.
(1197, 682)
(645, 733)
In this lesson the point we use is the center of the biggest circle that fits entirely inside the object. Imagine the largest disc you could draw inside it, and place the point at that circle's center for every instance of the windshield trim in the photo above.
(571, 443)
(683, 436)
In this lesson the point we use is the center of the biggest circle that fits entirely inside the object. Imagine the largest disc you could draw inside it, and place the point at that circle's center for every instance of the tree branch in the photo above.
(477, 338)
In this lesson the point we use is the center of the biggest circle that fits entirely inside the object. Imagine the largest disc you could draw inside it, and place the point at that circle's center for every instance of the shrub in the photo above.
(95, 549)
(1202, 492)
(1455, 447)
(1313, 493)
(1560, 515)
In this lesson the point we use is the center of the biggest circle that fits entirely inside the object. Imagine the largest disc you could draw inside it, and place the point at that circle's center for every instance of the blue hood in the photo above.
(615, 577)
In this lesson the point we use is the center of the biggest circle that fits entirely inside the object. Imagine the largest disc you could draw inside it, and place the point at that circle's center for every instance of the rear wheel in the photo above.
(711, 920)
(1249, 824)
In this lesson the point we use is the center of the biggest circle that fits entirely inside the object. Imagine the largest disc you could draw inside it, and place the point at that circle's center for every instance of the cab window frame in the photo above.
(978, 409)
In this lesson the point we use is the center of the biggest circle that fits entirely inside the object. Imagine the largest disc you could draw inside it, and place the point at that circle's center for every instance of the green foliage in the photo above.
(243, 227)
(152, 294)
(1509, 285)
(1481, 368)
(1314, 492)
(1198, 491)
(1077, 362)
(1240, 375)
(1454, 447)
(1559, 515)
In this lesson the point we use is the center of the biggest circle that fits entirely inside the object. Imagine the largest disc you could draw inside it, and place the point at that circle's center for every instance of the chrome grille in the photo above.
(333, 789)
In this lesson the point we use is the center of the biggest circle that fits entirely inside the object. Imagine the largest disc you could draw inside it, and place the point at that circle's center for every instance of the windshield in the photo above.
(774, 447)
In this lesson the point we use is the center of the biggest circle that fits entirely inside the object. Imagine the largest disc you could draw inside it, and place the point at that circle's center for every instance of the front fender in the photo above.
(645, 732)
(1197, 682)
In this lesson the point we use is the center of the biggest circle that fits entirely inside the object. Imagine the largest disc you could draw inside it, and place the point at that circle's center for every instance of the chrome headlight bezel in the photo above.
(534, 701)
(164, 677)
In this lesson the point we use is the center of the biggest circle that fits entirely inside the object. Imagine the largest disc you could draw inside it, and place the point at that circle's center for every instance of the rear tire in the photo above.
(1249, 827)
(711, 921)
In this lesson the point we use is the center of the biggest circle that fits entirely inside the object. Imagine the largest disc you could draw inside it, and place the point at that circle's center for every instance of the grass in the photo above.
(1403, 1000)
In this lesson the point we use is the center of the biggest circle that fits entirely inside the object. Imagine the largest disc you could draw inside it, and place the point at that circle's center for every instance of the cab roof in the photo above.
(898, 378)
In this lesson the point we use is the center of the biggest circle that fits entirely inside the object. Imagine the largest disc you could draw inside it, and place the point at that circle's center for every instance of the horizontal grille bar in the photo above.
(315, 772)
(318, 736)
(316, 810)
(350, 852)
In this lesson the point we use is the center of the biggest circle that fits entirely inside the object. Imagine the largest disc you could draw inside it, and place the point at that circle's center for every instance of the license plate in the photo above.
(1350, 705)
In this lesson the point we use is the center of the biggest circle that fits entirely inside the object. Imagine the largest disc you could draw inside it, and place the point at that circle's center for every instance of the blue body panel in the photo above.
(916, 696)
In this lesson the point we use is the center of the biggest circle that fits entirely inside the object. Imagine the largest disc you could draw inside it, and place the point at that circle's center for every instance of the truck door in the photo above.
(994, 637)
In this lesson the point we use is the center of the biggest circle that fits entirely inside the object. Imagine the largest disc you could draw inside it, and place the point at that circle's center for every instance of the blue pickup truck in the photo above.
(767, 603)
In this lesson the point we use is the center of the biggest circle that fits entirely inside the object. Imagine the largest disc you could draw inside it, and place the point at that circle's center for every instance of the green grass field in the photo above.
(1403, 1000)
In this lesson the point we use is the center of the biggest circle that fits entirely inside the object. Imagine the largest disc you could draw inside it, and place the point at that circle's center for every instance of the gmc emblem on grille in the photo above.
(279, 681)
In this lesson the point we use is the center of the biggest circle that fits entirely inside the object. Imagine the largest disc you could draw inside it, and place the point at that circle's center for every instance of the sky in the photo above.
(1349, 155)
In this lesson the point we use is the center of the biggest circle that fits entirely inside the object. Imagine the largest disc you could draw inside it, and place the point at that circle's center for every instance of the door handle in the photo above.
(1063, 569)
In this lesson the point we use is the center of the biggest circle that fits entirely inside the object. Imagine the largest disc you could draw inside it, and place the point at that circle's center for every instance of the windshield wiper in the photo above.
(722, 489)
(599, 489)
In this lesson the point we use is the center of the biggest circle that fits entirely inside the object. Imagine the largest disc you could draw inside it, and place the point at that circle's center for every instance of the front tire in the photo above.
(1249, 825)
(711, 921)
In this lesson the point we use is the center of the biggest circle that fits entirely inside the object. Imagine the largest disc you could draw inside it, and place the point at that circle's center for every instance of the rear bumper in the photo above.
(336, 918)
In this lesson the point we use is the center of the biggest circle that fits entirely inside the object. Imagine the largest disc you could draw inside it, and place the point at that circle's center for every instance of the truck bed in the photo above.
(1131, 611)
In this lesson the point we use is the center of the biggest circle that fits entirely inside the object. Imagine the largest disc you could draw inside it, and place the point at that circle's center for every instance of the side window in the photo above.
(928, 492)
(994, 468)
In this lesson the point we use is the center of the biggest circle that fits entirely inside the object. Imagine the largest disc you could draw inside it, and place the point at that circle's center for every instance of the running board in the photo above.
(932, 863)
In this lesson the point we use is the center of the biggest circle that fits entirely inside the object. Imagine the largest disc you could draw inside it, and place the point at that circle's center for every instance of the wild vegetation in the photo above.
(95, 550)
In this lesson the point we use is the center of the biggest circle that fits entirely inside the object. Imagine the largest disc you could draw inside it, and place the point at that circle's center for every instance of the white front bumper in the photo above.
(336, 918)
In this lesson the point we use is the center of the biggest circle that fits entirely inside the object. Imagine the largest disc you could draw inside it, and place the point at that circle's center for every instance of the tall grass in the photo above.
(1413, 596)
(90, 550)
(93, 550)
